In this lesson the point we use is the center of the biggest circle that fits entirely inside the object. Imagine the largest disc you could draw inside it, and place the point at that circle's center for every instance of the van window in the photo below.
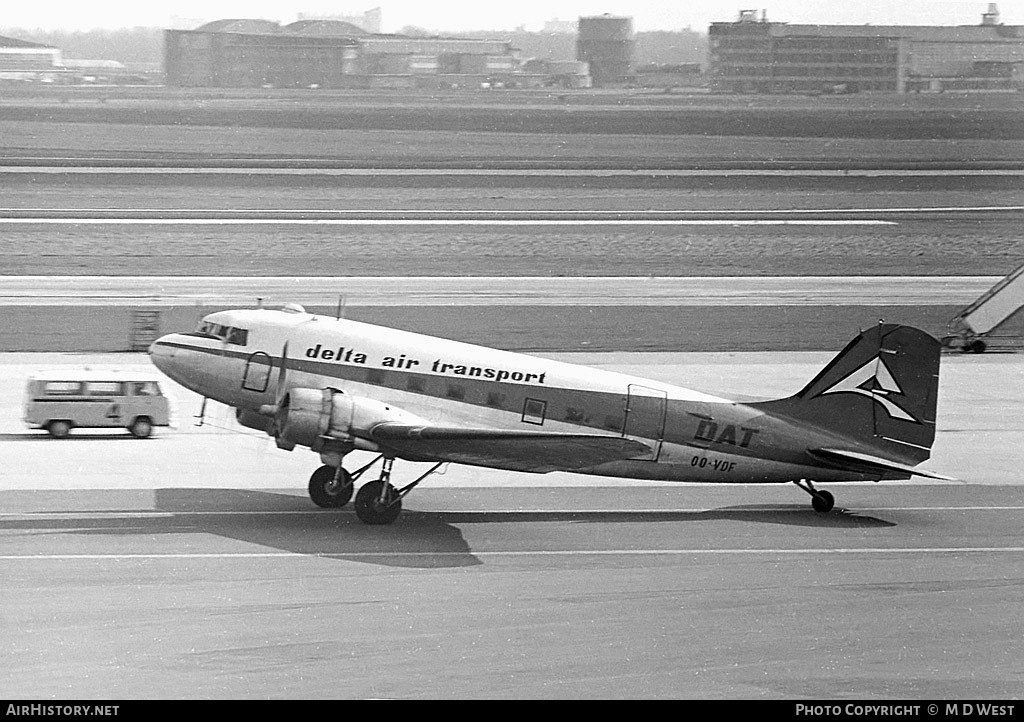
(145, 388)
(104, 388)
(62, 388)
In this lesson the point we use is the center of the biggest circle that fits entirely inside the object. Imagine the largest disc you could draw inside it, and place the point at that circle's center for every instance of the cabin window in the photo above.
(496, 400)
(375, 376)
(416, 384)
(534, 411)
(104, 388)
(62, 388)
(456, 392)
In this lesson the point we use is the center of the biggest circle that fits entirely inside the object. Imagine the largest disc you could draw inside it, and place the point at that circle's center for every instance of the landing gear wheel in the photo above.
(823, 501)
(369, 507)
(977, 346)
(327, 492)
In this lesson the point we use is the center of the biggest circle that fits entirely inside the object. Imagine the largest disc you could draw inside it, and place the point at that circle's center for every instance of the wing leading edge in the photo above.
(534, 451)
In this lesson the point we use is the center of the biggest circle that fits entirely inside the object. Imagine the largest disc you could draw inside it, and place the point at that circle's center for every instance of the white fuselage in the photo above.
(691, 436)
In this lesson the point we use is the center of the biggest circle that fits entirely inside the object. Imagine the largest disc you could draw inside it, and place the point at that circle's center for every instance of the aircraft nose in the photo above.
(177, 356)
(161, 353)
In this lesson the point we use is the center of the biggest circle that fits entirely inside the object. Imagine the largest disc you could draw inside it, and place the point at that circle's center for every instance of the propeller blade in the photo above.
(276, 410)
(281, 374)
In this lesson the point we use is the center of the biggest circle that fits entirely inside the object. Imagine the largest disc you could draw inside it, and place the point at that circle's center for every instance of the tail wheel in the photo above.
(823, 501)
(330, 488)
(371, 508)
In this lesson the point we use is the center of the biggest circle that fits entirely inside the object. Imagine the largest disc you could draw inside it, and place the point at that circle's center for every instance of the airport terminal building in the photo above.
(327, 54)
(752, 55)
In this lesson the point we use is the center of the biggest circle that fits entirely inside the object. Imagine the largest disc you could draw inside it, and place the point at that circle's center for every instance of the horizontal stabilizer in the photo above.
(536, 451)
(861, 463)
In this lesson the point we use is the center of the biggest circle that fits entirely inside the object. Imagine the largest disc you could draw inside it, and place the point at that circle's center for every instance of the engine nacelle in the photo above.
(314, 417)
(253, 419)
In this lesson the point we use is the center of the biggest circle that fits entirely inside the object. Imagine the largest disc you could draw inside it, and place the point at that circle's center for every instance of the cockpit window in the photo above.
(231, 334)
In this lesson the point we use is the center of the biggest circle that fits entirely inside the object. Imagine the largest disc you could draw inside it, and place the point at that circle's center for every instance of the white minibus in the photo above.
(65, 400)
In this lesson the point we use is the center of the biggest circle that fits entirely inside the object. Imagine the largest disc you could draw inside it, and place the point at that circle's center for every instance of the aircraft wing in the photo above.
(866, 463)
(536, 451)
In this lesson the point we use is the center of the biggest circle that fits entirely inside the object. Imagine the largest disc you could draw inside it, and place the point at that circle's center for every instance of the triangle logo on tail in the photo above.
(874, 380)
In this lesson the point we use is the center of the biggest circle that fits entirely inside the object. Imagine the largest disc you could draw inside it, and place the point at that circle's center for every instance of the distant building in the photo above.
(606, 42)
(570, 74)
(24, 60)
(328, 54)
(559, 27)
(753, 55)
(370, 21)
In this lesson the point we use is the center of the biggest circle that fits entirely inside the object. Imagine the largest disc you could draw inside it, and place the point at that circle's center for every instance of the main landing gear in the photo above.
(377, 502)
(821, 500)
(330, 487)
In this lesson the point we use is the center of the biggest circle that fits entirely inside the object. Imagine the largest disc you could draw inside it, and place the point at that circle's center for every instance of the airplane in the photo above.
(336, 386)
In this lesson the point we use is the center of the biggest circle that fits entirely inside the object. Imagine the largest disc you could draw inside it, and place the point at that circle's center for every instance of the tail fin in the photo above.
(881, 390)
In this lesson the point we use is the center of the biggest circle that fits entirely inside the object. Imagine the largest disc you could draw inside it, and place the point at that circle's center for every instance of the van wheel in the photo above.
(141, 428)
(59, 429)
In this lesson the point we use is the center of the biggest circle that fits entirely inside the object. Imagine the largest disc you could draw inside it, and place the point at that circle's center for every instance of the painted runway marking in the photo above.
(490, 291)
(457, 212)
(525, 553)
(517, 172)
(436, 222)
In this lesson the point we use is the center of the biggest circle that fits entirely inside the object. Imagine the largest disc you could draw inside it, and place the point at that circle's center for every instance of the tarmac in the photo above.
(192, 566)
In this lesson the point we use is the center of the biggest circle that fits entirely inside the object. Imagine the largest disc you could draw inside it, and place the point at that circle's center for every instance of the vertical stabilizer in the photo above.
(881, 390)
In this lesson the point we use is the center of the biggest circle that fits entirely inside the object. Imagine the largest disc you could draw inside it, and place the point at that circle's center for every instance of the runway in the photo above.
(657, 234)
(192, 565)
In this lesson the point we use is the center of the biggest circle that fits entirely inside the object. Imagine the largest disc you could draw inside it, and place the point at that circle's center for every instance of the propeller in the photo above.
(280, 410)
(281, 375)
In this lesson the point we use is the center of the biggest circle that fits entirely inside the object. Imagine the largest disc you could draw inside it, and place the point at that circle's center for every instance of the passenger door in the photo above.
(645, 417)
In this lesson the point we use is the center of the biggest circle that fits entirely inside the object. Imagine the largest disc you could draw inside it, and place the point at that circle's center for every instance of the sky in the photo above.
(508, 15)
